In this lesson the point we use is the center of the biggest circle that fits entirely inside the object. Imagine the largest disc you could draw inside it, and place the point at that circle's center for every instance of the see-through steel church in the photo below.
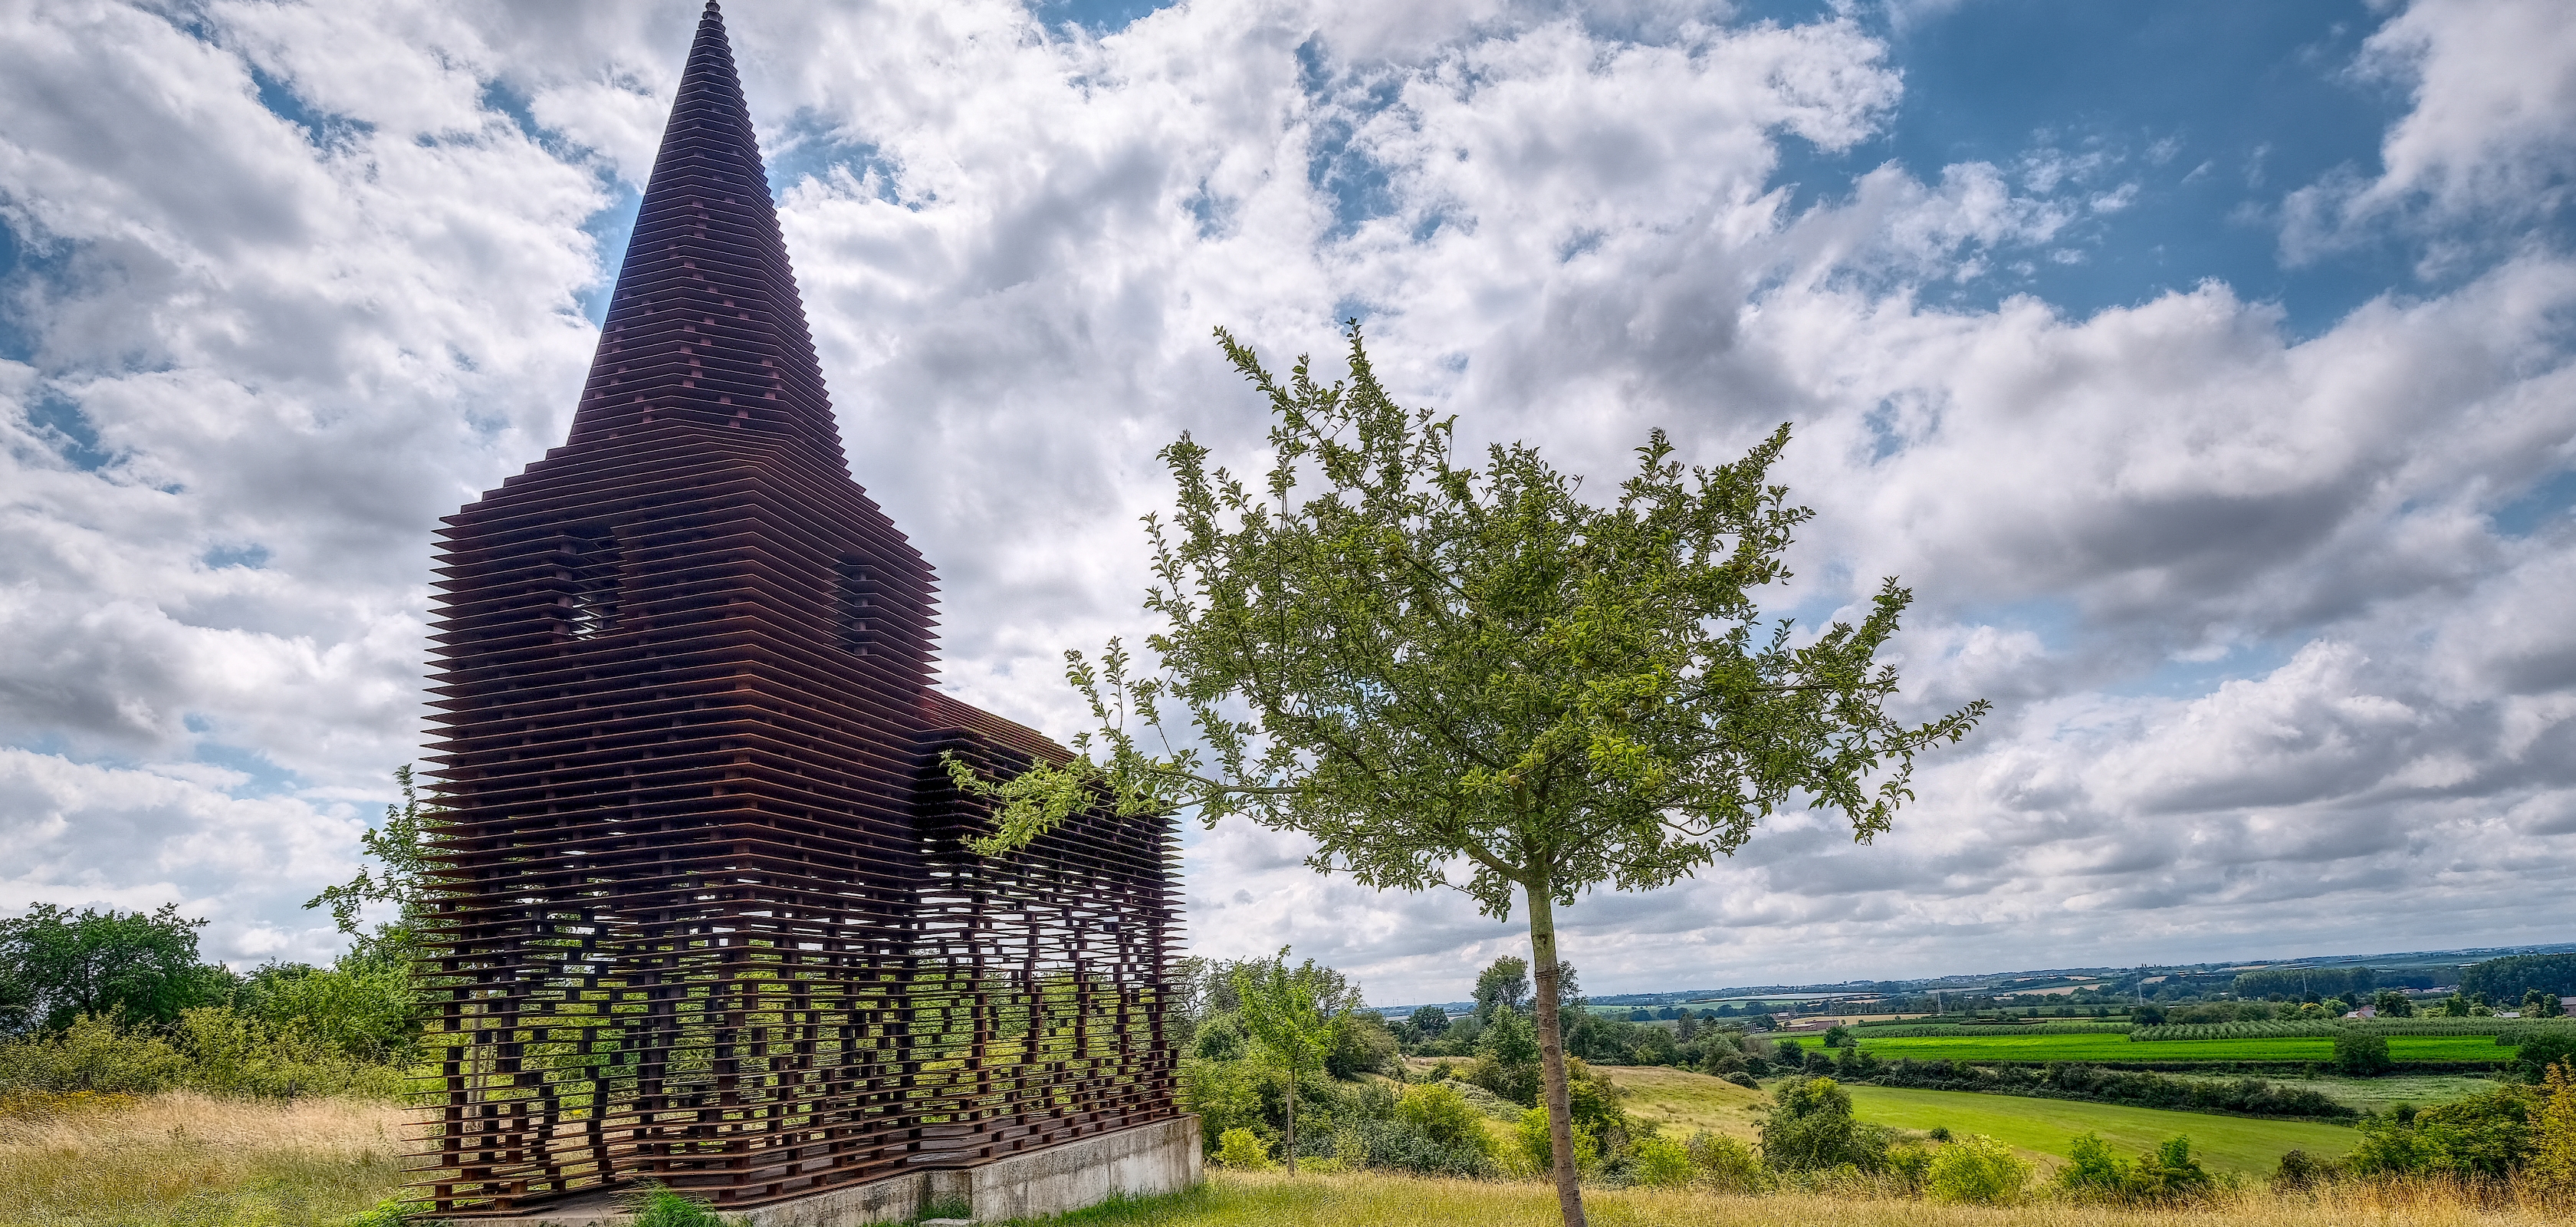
(706, 920)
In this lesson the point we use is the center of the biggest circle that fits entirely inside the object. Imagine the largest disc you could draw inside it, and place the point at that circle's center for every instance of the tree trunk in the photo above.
(1551, 1055)
(1292, 1119)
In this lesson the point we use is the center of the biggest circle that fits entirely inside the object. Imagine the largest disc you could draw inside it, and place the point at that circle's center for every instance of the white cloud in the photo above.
(2263, 650)
(2491, 135)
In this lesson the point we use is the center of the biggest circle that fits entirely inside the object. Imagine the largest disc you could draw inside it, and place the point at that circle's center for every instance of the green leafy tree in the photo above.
(1288, 1021)
(2538, 1051)
(1429, 1021)
(1503, 985)
(1507, 1061)
(400, 877)
(2362, 1054)
(1809, 1126)
(2542, 1003)
(2392, 1004)
(57, 965)
(1462, 675)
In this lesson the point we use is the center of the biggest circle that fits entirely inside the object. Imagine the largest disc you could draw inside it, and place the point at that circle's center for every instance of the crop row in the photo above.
(2509, 1031)
(1955, 1031)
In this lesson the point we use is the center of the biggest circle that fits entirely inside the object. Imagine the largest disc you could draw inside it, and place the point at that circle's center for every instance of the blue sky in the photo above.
(2207, 369)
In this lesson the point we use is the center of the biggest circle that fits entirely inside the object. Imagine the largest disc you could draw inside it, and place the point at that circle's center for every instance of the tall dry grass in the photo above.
(1372, 1200)
(186, 1160)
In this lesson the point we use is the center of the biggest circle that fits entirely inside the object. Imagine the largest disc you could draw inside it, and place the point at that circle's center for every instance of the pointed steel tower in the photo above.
(707, 921)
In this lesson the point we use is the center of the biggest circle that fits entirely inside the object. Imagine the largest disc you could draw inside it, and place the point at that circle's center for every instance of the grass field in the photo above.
(1374, 1200)
(2044, 1126)
(1683, 1103)
(185, 1161)
(2373, 1094)
(2121, 1048)
(182, 1159)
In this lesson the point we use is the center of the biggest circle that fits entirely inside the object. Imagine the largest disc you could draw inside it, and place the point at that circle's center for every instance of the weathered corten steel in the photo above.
(706, 917)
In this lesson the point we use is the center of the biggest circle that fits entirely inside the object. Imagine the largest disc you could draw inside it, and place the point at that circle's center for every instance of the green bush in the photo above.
(1540, 1152)
(391, 1212)
(660, 1207)
(1241, 1150)
(2169, 1173)
(1728, 1165)
(212, 1049)
(1660, 1162)
(1977, 1170)
(1809, 1128)
(2542, 1049)
(93, 1054)
(1438, 1113)
(2092, 1172)
(2298, 1171)
(2361, 1054)
(2484, 1136)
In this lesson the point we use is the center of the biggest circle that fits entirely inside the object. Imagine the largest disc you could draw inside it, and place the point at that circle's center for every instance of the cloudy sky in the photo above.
(2207, 368)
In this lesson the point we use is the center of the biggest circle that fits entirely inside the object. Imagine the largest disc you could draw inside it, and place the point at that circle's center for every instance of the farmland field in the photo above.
(2121, 1048)
(2044, 1126)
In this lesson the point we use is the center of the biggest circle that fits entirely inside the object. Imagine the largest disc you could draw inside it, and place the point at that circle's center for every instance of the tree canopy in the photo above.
(1450, 674)
(57, 965)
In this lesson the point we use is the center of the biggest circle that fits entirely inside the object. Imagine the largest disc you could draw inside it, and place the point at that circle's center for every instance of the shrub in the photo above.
(1727, 1164)
(1394, 1144)
(1743, 1079)
(2298, 1171)
(2486, 1135)
(2361, 1054)
(93, 1054)
(660, 1207)
(1540, 1152)
(1241, 1150)
(1810, 1128)
(1940, 1133)
(2553, 1140)
(391, 1212)
(2092, 1172)
(1660, 1162)
(1977, 1170)
(2541, 1049)
(2170, 1173)
(1910, 1164)
(1438, 1113)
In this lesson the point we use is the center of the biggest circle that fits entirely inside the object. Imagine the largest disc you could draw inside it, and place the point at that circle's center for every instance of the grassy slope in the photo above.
(186, 1159)
(1377, 1200)
(1684, 1103)
(2121, 1048)
(2373, 1094)
(2229, 1143)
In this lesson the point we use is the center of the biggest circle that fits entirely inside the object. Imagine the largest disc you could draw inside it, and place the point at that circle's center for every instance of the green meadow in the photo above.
(2250, 1145)
(2119, 1048)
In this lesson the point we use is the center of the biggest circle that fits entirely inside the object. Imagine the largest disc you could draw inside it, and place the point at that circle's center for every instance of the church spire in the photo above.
(705, 325)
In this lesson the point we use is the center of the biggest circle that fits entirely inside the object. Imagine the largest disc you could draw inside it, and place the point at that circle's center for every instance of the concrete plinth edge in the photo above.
(1143, 1161)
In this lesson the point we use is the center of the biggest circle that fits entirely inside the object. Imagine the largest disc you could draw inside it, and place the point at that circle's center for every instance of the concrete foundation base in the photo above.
(1145, 1161)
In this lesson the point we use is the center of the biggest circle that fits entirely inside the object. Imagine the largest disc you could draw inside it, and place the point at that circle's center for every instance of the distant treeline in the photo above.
(2351, 983)
(2507, 979)
(2245, 1096)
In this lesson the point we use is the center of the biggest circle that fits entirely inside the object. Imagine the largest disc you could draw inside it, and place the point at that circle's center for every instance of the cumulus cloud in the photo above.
(2487, 139)
(2269, 616)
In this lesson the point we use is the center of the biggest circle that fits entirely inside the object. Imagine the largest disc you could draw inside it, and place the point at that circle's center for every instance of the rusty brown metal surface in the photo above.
(706, 918)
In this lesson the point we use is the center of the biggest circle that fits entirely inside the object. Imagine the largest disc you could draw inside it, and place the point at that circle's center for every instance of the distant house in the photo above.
(2368, 1011)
